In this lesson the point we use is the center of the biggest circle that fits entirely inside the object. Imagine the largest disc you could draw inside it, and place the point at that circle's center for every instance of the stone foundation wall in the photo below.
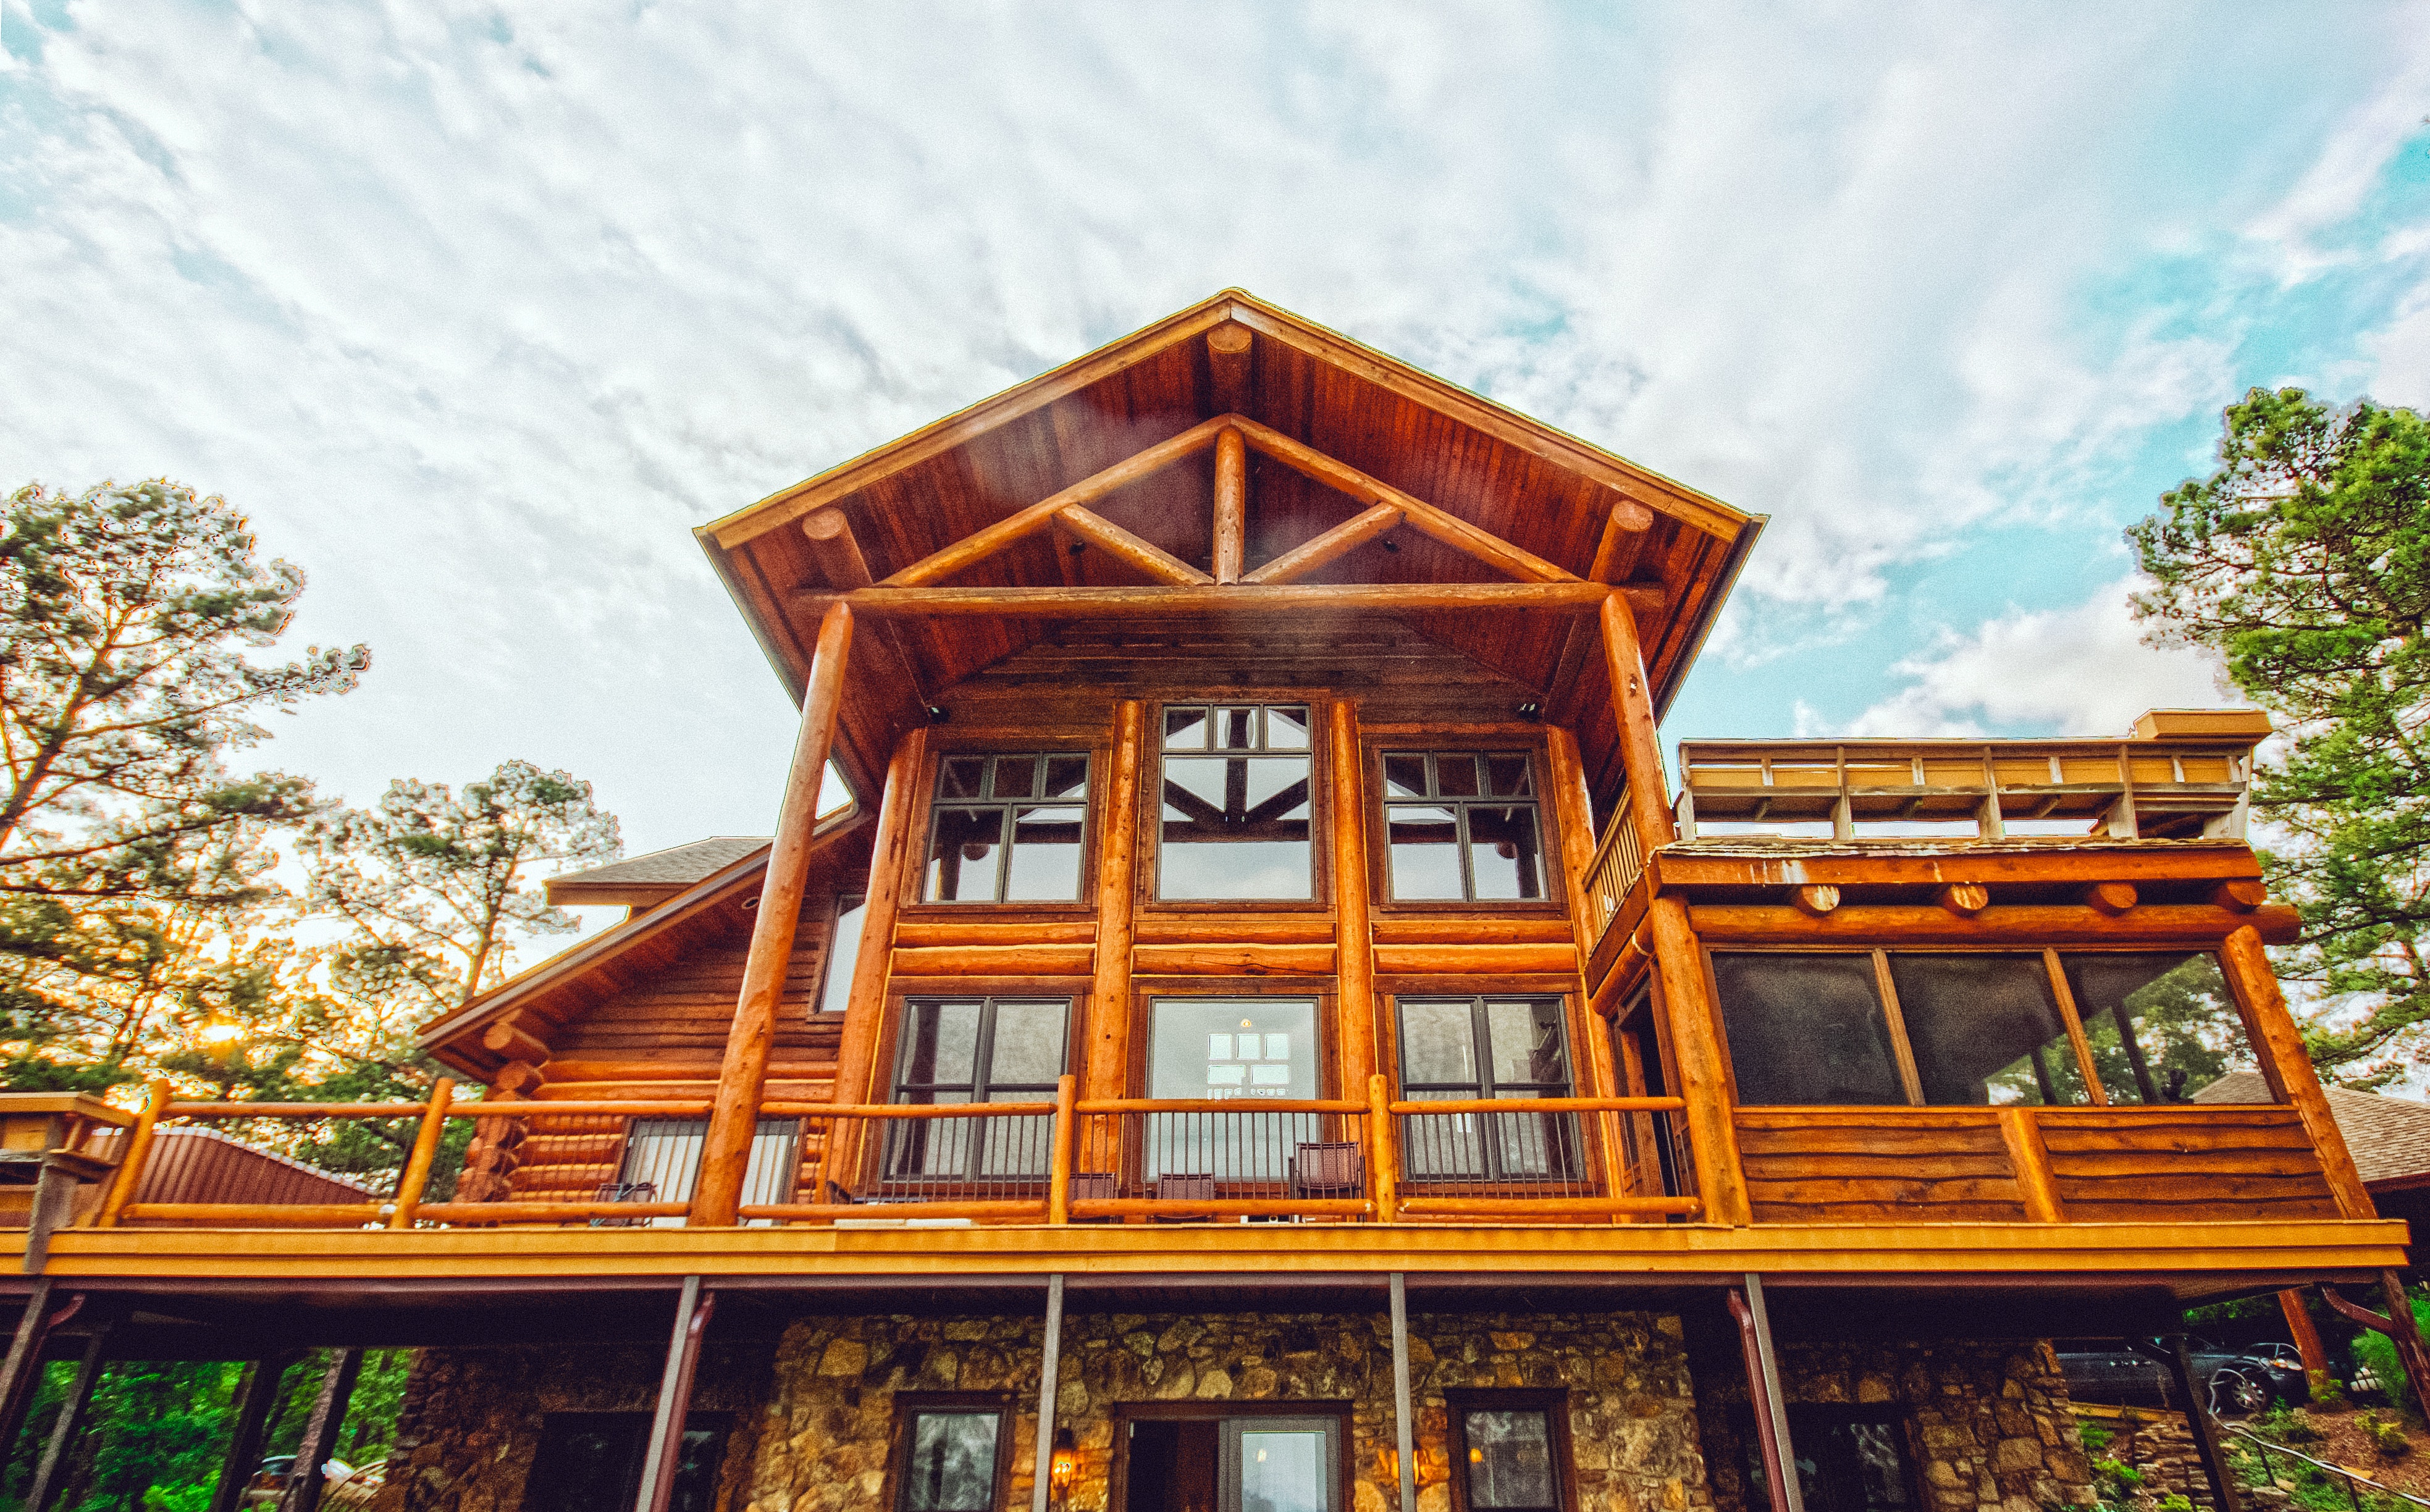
(2154, 1441)
(1632, 1424)
(1986, 1426)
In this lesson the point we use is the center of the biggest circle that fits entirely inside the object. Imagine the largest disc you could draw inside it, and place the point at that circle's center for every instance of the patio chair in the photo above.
(624, 1191)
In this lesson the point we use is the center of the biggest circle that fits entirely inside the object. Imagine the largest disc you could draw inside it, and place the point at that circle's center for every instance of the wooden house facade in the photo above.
(1266, 1027)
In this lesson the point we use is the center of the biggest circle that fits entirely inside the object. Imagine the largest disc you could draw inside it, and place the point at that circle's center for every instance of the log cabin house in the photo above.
(1263, 1027)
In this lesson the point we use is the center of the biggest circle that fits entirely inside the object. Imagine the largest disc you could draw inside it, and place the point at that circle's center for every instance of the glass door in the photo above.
(1279, 1464)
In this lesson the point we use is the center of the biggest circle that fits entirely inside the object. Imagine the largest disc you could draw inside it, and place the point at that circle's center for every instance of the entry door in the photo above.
(1279, 1464)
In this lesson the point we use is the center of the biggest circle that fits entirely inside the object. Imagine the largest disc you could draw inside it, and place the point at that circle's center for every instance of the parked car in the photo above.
(2236, 1381)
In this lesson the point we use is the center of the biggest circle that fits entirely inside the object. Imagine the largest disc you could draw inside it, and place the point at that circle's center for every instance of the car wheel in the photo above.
(2235, 1393)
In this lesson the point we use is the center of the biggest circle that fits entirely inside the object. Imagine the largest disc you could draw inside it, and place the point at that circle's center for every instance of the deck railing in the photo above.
(622, 1164)
(1618, 861)
(1989, 789)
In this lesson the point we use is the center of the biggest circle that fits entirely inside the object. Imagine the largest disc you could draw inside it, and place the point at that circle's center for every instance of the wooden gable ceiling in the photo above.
(1530, 484)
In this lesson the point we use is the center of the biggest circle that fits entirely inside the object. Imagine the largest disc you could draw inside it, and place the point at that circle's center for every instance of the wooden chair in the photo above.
(624, 1191)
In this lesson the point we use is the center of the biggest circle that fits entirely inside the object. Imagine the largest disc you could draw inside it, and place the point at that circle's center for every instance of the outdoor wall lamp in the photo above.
(1066, 1463)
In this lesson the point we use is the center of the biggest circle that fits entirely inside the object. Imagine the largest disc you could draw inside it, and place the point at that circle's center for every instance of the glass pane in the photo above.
(1030, 1039)
(1236, 729)
(1067, 776)
(1404, 776)
(664, 1155)
(1807, 1029)
(1425, 842)
(930, 1147)
(1287, 729)
(1503, 855)
(1507, 777)
(951, 1463)
(1282, 1472)
(1879, 1472)
(2163, 1026)
(940, 1044)
(844, 951)
(1439, 1045)
(1045, 864)
(1985, 1029)
(1016, 776)
(1509, 1460)
(1193, 788)
(1229, 1047)
(1456, 774)
(962, 855)
(959, 777)
(1185, 729)
(1235, 828)
(1526, 1044)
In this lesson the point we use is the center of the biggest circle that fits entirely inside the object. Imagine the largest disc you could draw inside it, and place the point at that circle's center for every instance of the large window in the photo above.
(1509, 1451)
(1234, 803)
(952, 1453)
(1460, 826)
(1467, 1048)
(1008, 828)
(1245, 1048)
(661, 1163)
(977, 1050)
(1848, 1460)
(1976, 1028)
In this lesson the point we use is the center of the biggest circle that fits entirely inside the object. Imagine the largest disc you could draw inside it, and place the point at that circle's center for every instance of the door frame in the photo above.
(1126, 1413)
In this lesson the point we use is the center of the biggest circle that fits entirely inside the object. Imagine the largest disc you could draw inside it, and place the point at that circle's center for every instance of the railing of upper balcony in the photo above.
(1986, 789)
(617, 1164)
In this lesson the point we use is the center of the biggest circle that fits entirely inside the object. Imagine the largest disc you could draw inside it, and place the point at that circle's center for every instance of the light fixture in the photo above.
(1530, 709)
(1066, 1463)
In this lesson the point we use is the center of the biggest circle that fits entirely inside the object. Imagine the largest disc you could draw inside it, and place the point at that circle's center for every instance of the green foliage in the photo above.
(2386, 1438)
(2093, 1436)
(2375, 1350)
(2304, 563)
(2288, 1425)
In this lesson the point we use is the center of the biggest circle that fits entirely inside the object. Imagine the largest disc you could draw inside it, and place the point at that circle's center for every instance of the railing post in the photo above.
(1383, 1161)
(2029, 1159)
(1059, 1177)
(425, 1150)
(130, 1163)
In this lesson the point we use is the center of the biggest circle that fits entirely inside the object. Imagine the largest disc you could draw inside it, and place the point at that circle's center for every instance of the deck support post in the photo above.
(1041, 1465)
(70, 1422)
(692, 1310)
(1763, 1390)
(864, 1014)
(253, 1405)
(1353, 932)
(2222, 1485)
(1678, 959)
(1404, 1414)
(306, 1483)
(741, 1081)
(1106, 1066)
(2306, 1333)
(24, 1367)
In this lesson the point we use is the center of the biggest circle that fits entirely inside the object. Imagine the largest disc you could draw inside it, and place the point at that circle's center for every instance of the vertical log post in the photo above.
(1405, 1408)
(1227, 364)
(1574, 820)
(1353, 931)
(864, 1016)
(1678, 959)
(1058, 1175)
(2307, 1335)
(68, 1425)
(254, 1406)
(1106, 1071)
(1383, 1156)
(306, 1482)
(416, 1179)
(1231, 505)
(1763, 1390)
(2198, 1418)
(741, 1081)
(2288, 1066)
(2029, 1162)
(139, 1149)
(24, 1367)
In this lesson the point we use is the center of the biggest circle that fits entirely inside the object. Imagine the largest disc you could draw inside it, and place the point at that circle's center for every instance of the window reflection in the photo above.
(2162, 1025)
(1462, 827)
(1234, 803)
(1985, 1029)
(1008, 828)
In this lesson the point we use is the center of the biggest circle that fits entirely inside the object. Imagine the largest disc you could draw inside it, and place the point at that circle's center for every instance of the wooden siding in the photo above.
(2144, 1165)
(1877, 1166)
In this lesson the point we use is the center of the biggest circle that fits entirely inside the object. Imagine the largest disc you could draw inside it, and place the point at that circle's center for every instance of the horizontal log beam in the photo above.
(892, 601)
(1035, 1210)
(938, 1110)
(255, 1215)
(1544, 1105)
(1229, 959)
(2153, 924)
(1451, 960)
(994, 960)
(1223, 1206)
(1544, 1206)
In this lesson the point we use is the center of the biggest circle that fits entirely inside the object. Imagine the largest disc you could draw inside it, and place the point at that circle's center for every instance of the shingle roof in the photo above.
(677, 865)
(2389, 1137)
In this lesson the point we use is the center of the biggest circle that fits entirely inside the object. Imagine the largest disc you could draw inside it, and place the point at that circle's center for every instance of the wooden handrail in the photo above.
(1218, 1104)
(1544, 1105)
(909, 1110)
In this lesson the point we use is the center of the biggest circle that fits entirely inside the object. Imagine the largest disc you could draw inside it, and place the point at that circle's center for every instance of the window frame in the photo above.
(909, 1405)
(1375, 740)
(989, 993)
(1149, 849)
(1490, 1150)
(828, 979)
(1903, 1049)
(1809, 1416)
(1552, 1402)
(1041, 742)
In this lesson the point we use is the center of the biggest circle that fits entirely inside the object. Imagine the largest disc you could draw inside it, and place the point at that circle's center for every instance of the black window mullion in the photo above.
(982, 1088)
(1488, 1142)
(1466, 855)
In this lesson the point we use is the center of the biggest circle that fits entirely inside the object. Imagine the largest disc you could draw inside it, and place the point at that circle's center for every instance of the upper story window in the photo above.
(1979, 1028)
(976, 1050)
(1234, 803)
(1462, 827)
(1007, 828)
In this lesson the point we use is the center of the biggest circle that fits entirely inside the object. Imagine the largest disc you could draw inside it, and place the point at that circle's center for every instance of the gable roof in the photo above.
(2389, 1136)
(647, 880)
(1514, 477)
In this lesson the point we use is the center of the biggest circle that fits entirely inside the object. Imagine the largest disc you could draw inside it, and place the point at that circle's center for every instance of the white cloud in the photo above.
(2079, 671)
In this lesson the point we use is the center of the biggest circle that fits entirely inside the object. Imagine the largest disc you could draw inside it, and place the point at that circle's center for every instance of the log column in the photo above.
(2288, 1066)
(741, 1081)
(1678, 959)
(1354, 932)
(864, 1014)
(1572, 816)
(1106, 1072)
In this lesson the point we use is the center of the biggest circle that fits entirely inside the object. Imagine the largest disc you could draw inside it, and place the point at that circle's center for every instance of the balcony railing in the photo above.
(2143, 789)
(617, 1164)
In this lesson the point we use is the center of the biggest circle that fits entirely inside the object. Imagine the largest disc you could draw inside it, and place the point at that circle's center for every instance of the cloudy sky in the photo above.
(476, 311)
